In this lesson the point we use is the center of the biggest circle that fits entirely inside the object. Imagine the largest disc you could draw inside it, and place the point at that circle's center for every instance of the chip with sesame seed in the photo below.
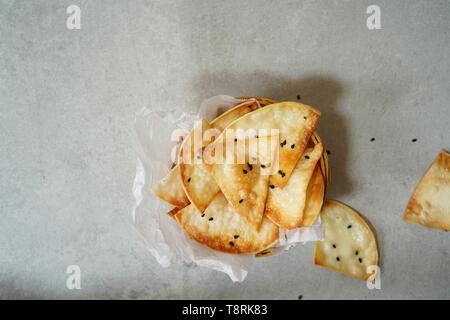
(351, 251)
(223, 229)
(285, 206)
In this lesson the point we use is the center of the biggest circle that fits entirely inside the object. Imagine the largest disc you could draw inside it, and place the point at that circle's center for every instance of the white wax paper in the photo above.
(166, 241)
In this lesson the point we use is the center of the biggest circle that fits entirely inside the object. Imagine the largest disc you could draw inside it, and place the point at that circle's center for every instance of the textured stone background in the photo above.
(67, 103)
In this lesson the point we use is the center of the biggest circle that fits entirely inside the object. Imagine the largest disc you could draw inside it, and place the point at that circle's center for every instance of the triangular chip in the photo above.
(221, 228)
(243, 179)
(350, 246)
(285, 206)
(198, 184)
(430, 204)
(314, 198)
(170, 189)
(294, 121)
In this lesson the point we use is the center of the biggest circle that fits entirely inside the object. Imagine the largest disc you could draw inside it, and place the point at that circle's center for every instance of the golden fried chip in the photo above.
(198, 184)
(350, 246)
(314, 198)
(170, 189)
(296, 123)
(285, 206)
(221, 228)
(430, 204)
(242, 178)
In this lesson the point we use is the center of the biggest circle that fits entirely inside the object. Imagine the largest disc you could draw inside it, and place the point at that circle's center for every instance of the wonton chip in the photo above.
(198, 184)
(221, 228)
(314, 198)
(350, 246)
(296, 123)
(170, 189)
(285, 206)
(242, 178)
(430, 204)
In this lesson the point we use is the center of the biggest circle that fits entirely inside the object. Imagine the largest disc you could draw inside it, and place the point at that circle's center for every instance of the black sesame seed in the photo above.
(232, 243)
(298, 97)
(304, 118)
(328, 152)
(189, 180)
(349, 226)
(356, 252)
(211, 219)
(256, 136)
(263, 166)
(203, 215)
(306, 157)
(360, 260)
(373, 139)
(334, 246)
(292, 146)
(240, 201)
(300, 297)
(338, 259)
(283, 143)
(414, 140)
(235, 139)
(272, 186)
(244, 171)
(198, 157)
(236, 236)
(250, 167)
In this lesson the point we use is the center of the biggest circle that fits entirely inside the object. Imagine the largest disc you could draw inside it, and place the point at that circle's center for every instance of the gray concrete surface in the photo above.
(67, 103)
